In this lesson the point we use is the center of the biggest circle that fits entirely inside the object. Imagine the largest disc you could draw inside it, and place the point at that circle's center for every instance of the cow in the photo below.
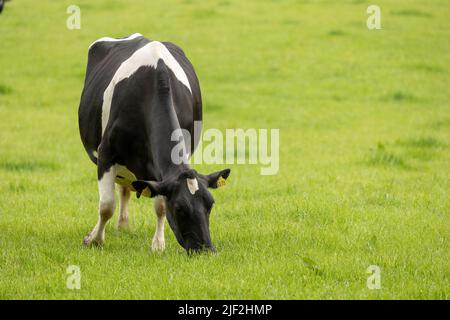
(136, 93)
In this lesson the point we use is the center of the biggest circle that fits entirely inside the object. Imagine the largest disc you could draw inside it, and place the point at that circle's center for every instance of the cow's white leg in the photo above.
(106, 208)
(158, 242)
(124, 197)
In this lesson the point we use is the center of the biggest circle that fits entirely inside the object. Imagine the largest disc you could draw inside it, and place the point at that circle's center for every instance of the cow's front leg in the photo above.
(158, 242)
(106, 207)
(124, 197)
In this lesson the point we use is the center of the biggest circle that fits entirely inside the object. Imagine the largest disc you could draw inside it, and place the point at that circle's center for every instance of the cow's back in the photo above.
(105, 57)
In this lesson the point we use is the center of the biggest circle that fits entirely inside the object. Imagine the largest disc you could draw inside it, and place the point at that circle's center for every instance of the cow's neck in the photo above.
(164, 122)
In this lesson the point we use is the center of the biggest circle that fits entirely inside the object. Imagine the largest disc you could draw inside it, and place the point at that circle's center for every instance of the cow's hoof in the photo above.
(123, 226)
(90, 241)
(158, 244)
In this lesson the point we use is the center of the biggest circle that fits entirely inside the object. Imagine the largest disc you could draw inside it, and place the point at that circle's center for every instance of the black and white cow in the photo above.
(136, 93)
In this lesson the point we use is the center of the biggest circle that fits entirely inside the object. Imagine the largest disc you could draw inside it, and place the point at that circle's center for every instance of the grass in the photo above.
(364, 119)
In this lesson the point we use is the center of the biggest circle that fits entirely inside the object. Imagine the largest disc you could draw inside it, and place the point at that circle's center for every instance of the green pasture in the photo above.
(364, 178)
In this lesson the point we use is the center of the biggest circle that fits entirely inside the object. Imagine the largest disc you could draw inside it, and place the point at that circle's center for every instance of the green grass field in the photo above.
(364, 119)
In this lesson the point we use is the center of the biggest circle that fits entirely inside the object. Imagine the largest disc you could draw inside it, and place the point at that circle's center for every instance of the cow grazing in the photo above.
(136, 93)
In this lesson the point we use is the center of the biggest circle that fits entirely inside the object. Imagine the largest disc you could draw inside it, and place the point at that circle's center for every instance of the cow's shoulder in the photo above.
(103, 44)
(174, 49)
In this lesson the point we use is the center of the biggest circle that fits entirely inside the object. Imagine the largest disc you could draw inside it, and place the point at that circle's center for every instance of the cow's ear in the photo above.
(152, 188)
(217, 179)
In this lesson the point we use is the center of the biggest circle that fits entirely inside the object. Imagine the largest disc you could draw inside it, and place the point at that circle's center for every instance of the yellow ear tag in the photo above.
(220, 182)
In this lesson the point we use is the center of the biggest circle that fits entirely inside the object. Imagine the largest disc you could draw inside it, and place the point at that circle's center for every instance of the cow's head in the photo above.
(188, 205)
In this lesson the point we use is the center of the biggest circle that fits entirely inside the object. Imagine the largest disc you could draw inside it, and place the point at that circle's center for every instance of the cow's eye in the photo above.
(177, 209)
(181, 209)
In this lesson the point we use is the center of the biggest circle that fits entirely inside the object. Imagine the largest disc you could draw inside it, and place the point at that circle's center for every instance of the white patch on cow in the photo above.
(106, 207)
(108, 39)
(192, 185)
(95, 154)
(158, 242)
(106, 186)
(148, 55)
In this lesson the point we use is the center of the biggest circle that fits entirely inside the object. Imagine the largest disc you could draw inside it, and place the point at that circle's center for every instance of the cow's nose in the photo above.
(209, 249)
(200, 249)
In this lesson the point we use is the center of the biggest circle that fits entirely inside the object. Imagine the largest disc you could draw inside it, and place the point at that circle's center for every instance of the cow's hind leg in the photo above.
(158, 242)
(106, 206)
(124, 197)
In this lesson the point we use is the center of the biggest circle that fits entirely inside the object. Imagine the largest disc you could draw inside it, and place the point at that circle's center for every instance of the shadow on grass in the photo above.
(380, 156)
(334, 33)
(412, 13)
(419, 148)
(27, 165)
(426, 68)
(4, 89)
(421, 142)
(399, 96)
